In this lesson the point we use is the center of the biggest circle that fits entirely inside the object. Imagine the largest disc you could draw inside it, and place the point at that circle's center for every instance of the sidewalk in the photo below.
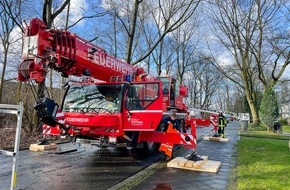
(181, 179)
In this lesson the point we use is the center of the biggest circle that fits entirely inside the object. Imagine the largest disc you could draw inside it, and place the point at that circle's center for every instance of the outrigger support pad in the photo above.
(193, 157)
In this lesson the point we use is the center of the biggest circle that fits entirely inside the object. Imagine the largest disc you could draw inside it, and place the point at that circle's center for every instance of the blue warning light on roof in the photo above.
(128, 78)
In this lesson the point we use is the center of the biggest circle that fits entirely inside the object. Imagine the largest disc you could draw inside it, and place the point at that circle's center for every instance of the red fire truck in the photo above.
(114, 104)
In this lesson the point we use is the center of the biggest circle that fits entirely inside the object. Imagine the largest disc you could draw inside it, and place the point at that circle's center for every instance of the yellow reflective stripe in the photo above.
(14, 181)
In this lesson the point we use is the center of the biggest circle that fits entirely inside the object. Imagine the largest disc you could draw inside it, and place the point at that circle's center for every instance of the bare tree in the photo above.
(48, 17)
(226, 96)
(6, 28)
(6, 38)
(131, 31)
(12, 8)
(169, 17)
(203, 80)
(186, 50)
(12, 12)
(242, 28)
(172, 15)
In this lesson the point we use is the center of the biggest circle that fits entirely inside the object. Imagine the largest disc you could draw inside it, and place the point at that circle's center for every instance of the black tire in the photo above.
(147, 149)
(123, 151)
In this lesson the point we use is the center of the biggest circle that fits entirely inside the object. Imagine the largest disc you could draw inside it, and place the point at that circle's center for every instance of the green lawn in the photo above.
(263, 163)
(286, 128)
(265, 134)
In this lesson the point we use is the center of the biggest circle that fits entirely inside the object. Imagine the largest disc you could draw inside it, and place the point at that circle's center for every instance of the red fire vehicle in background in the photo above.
(116, 103)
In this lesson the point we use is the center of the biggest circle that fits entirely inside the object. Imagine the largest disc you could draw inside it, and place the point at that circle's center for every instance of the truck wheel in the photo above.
(123, 151)
(150, 147)
(147, 149)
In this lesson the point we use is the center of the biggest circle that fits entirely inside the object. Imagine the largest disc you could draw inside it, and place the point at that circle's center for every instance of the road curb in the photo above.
(143, 173)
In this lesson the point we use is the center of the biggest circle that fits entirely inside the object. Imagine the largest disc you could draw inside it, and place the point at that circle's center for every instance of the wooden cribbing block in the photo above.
(189, 163)
(224, 139)
(214, 138)
(37, 148)
(182, 162)
(218, 139)
(176, 162)
(211, 166)
(206, 138)
(209, 138)
(198, 164)
(201, 165)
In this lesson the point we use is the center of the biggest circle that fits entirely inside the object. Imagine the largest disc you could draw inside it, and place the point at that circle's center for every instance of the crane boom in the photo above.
(69, 54)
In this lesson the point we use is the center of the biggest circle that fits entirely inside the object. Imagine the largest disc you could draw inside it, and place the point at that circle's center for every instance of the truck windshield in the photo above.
(93, 98)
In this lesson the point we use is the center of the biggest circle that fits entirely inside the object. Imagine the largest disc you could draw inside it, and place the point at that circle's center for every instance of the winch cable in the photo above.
(33, 89)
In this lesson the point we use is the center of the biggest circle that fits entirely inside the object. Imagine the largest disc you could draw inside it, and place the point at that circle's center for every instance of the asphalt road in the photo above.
(87, 168)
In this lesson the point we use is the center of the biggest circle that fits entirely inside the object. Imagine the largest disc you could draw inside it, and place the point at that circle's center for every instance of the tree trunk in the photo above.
(2, 74)
(160, 58)
(253, 109)
(6, 44)
(132, 32)
(19, 91)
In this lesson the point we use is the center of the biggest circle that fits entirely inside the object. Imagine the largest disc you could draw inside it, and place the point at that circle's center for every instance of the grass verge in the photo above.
(263, 162)
(286, 128)
(265, 134)
(138, 178)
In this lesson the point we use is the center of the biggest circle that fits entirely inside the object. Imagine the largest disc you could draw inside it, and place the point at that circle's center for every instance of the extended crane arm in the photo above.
(69, 54)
